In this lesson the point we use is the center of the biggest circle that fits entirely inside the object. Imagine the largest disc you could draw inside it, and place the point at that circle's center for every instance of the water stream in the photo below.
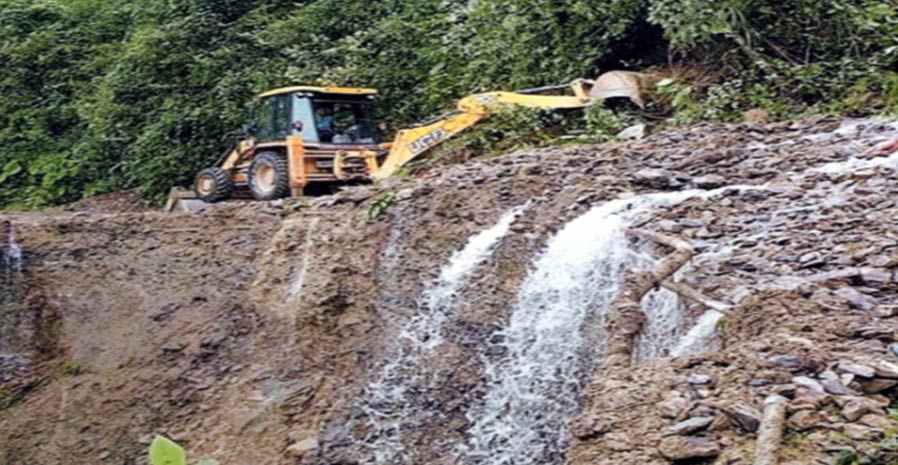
(533, 389)
(386, 404)
(12, 252)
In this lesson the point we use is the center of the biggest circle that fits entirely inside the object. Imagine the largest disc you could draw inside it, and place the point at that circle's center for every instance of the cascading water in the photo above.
(533, 389)
(664, 318)
(700, 337)
(12, 252)
(386, 404)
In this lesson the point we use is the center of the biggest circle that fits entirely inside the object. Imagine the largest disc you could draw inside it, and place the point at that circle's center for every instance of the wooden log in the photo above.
(687, 292)
(770, 434)
(626, 320)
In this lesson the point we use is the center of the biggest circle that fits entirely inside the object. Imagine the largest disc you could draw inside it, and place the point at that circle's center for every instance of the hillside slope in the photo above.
(467, 323)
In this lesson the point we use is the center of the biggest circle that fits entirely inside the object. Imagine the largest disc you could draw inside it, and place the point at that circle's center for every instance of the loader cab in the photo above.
(300, 140)
(320, 116)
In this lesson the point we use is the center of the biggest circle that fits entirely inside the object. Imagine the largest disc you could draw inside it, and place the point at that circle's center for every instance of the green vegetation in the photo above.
(164, 451)
(104, 95)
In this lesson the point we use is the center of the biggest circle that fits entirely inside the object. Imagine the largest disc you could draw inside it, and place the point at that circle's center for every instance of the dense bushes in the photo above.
(100, 95)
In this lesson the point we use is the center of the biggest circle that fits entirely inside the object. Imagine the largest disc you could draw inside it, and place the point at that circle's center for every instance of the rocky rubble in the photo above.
(249, 332)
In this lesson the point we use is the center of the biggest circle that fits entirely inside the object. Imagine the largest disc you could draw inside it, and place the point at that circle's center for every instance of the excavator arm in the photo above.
(409, 143)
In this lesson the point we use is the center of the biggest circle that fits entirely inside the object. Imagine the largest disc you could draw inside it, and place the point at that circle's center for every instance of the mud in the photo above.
(250, 333)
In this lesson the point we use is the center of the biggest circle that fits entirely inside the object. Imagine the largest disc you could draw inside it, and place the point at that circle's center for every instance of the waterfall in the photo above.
(12, 253)
(386, 404)
(533, 388)
(700, 337)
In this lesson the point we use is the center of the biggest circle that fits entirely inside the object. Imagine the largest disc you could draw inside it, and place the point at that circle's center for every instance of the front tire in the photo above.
(268, 176)
(213, 185)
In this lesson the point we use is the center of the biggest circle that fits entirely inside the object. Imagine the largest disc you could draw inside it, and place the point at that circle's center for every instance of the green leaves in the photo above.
(164, 451)
(108, 95)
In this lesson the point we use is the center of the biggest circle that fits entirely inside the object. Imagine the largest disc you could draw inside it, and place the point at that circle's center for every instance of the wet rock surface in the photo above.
(251, 332)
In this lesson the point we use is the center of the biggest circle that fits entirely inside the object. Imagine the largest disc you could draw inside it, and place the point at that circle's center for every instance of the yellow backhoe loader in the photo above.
(305, 137)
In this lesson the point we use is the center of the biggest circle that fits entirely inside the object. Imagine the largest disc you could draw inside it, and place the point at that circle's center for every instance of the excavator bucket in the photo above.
(180, 200)
(622, 84)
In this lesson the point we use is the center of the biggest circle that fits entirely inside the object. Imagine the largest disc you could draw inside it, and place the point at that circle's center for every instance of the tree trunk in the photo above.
(627, 319)
(770, 434)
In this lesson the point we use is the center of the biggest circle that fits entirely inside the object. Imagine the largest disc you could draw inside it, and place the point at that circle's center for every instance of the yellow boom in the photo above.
(409, 143)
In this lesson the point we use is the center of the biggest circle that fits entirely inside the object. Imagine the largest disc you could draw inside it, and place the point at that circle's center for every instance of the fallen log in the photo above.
(687, 292)
(770, 434)
(626, 318)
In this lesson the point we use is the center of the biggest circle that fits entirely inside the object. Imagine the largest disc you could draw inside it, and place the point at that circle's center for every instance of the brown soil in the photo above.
(247, 332)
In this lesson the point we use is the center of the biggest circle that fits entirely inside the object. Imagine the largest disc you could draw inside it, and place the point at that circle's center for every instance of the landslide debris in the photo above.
(249, 332)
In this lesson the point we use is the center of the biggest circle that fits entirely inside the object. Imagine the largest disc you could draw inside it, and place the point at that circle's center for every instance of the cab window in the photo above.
(272, 118)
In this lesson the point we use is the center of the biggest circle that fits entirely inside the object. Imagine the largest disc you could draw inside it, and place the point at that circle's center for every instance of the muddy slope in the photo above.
(253, 333)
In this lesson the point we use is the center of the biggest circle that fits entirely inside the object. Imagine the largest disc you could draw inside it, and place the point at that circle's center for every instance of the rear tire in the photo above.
(213, 185)
(269, 177)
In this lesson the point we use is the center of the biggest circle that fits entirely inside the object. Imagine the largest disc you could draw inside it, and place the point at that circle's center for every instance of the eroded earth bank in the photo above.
(479, 318)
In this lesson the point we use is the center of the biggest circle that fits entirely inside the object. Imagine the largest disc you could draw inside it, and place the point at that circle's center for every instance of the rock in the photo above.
(878, 421)
(855, 298)
(876, 277)
(689, 426)
(787, 362)
(859, 432)
(894, 349)
(743, 416)
(808, 383)
(808, 419)
(885, 369)
(683, 448)
(856, 369)
(812, 400)
(832, 384)
(710, 181)
(887, 311)
(699, 380)
(635, 132)
(858, 407)
(674, 406)
(658, 179)
(875, 386)
(303, 447)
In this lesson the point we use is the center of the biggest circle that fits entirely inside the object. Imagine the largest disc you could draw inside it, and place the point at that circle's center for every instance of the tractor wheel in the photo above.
(268, 176)
(213, 184)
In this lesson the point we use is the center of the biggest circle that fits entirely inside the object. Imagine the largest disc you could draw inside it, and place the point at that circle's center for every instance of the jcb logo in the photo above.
(428, 140)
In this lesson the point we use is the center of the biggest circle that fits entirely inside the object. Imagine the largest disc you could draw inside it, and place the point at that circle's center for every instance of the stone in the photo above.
(689, 426)
(710, 181)
(744, 417)
(688, 448)
(658, 179)
(808, 383)
(855, 298)
(893, 348)
(887, 311)
(807, 419)
(859, 406)
(880, 422)
(787, 362)
(856, 369)
(635, 132)
(673, 407)
(859, 432)
(812, 400)
(832, 384)
(303, 447)
(885, 369)
(699, 379)
(875, 386)
(876, 277)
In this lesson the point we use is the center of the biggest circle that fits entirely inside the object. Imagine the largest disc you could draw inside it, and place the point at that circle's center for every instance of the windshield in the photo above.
(345, 122)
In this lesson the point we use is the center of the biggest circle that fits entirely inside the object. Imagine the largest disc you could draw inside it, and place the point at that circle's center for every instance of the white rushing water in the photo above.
(386, 406)
(701, 336)
(533, 389)
(12, 253)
